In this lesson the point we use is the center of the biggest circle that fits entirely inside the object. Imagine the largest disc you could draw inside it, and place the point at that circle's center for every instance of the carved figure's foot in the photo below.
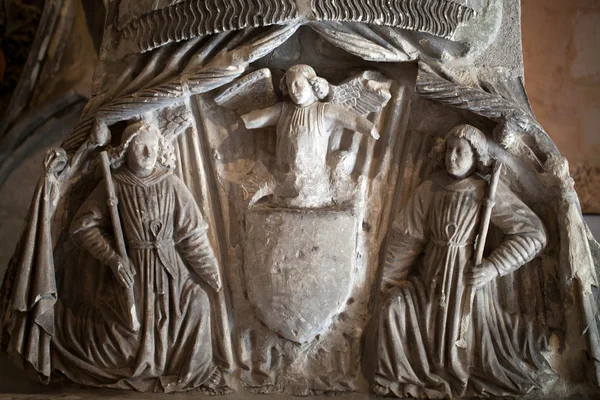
(380, 390)
(215, 385)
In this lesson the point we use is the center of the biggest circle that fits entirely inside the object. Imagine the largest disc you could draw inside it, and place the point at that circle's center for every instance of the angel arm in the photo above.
(191, 237)
(525, 236)
(91, 225)
(264, 117)
(336, 115)
(408, 238)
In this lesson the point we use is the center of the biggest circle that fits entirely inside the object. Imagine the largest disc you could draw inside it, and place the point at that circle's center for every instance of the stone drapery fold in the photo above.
(27, 324)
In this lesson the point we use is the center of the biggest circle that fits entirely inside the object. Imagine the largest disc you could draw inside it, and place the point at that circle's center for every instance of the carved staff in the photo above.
(486, 215)
(131, 312)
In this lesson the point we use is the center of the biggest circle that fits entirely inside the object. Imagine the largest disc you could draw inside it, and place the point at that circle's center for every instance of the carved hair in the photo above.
(320, 86)
(476, 139)
(166, 157)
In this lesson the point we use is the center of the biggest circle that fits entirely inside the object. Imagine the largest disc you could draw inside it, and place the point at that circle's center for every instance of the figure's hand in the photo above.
(479, 275)
(100, 135)
(374, 133)
(55, 161)
(245, 119)
(123, 271)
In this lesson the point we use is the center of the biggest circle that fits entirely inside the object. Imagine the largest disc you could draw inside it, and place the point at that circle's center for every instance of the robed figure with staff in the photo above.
(431, 285)
(161, 283)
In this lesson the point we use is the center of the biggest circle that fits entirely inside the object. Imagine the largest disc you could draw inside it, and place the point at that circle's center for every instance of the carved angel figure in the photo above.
(304, 125)
(165, 236)
(427, 271)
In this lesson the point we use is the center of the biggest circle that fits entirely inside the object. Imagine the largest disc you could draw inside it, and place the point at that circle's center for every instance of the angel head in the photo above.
(142, 148)
(465, 151)
(303, 85)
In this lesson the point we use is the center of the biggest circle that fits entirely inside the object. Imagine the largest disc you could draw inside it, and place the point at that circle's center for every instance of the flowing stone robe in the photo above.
(302, 145)
(172, 351)
(419, 322)
(302, 174)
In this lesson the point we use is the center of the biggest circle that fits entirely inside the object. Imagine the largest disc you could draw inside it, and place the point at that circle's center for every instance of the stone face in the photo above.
(305, 198)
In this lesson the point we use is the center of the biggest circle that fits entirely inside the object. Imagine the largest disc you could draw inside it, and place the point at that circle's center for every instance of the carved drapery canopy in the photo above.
(145, 25)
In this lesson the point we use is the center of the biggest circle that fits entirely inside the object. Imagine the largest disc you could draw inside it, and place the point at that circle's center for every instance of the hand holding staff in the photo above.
(121, 267)
(486, 214)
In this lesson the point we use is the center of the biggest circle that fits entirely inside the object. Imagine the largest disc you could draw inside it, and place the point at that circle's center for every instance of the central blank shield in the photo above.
(298, 267)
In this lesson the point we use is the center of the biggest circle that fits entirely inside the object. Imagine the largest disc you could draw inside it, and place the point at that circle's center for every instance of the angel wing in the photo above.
(172, 122)
(366, 93)
(250, 92)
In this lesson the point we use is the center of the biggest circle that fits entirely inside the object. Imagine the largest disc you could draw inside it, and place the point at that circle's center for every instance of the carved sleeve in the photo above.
(408, 237)
(338, 115)
(191, 236)
(91, 228)
(525, 235)
(264, 117)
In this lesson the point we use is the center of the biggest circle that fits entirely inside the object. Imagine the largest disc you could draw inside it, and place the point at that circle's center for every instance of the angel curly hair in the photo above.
(320, 86)
(476, 139)
(166, 156)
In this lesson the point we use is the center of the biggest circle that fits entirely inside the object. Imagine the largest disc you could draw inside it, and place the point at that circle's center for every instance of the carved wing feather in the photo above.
(250, 92)
(366, 93)
(174, 121)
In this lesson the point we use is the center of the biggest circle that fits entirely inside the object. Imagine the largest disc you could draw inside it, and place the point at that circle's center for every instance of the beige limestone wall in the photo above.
(561, 46)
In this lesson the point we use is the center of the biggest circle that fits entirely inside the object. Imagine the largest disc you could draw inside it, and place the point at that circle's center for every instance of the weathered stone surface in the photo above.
(298, 274)
(307, 198)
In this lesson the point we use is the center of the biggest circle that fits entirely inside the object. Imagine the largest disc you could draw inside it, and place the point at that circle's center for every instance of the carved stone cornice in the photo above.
(143, 26)
(191, 18)
(436, 17)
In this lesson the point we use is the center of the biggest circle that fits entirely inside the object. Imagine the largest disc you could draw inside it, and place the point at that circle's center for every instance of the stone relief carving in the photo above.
(142, 27)
(150, 326)
(429, 271)
(304, 126)
(269, 243)
(438, 17)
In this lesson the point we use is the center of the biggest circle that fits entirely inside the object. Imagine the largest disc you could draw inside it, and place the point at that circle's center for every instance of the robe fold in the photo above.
(432, 244)
(302, 145)
(172, 351)
(28, 315)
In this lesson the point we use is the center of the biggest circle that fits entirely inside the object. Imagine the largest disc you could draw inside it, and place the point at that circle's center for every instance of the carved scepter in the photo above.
(486, 214)
(131, 312)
